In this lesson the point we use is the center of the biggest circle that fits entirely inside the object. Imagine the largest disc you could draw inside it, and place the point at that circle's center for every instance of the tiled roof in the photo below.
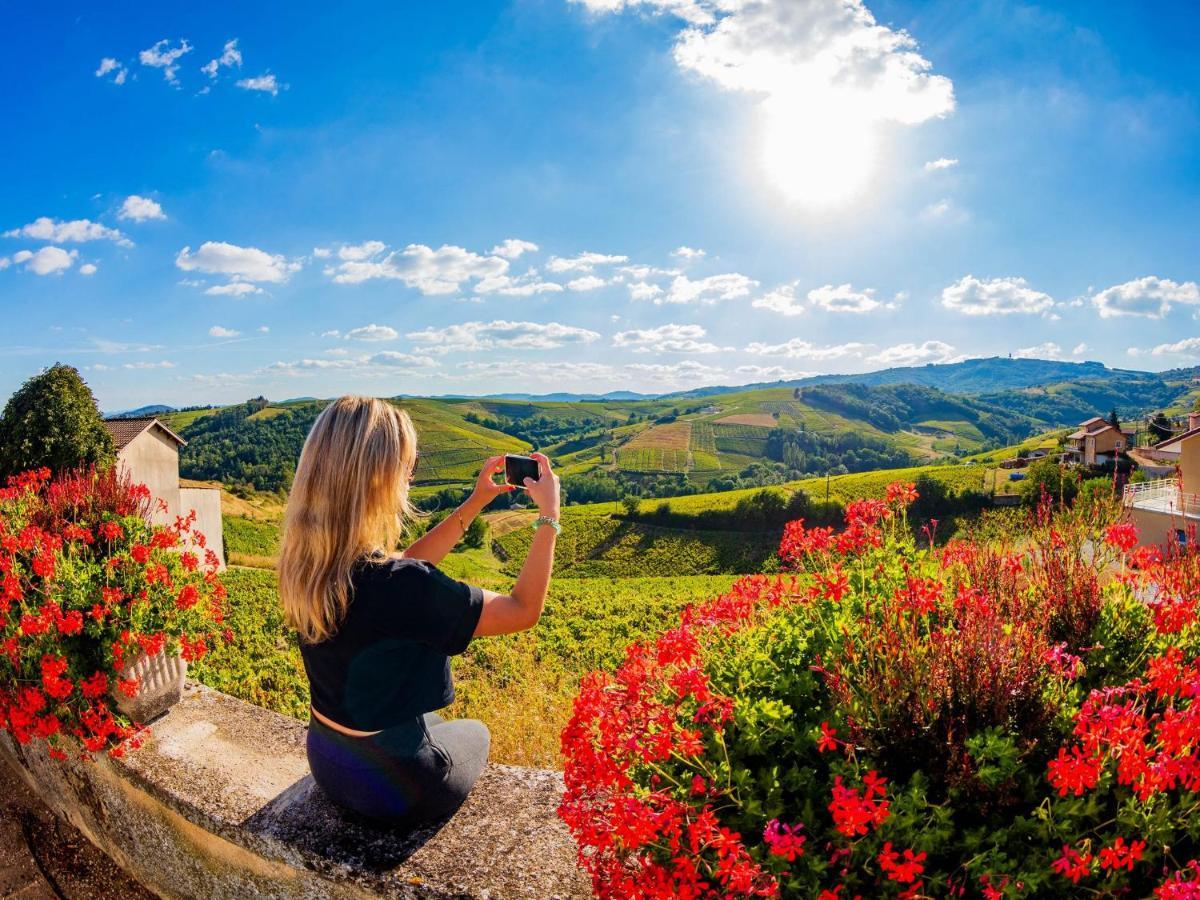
(123, 431)
(1178, 439)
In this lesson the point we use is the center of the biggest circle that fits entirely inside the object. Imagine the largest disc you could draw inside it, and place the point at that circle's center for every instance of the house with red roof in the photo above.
(1096, 443)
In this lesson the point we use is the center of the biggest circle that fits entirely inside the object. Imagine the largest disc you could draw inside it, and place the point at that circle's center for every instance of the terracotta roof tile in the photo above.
(123, 431)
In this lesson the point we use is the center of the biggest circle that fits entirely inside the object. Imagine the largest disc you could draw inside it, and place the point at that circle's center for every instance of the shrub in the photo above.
(895, 721)
(86, 585)
(52, 421)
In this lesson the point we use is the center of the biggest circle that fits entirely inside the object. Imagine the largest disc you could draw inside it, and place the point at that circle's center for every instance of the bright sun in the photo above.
(817, 157)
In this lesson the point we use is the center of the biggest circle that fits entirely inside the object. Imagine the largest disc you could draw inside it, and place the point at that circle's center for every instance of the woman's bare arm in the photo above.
(439, 540)
(521, 609)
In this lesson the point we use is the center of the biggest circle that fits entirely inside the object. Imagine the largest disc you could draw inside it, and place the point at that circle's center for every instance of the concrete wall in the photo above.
(1155, 527)
(152, 459)
(1189, 464)
(207, 504)
(219, 803)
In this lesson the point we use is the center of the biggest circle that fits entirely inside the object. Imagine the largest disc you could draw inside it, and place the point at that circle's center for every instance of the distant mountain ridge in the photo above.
(971, 376)
(155, 409)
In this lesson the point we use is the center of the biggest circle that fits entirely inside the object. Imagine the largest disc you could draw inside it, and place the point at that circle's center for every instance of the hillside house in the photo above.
(148, 451)
(1169, 509)
(1096, 443)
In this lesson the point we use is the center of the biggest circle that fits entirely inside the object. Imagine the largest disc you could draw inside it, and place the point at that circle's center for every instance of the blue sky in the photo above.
(541, 195)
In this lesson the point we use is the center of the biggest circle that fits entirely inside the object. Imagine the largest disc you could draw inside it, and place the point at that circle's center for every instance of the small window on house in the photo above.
(1181, 537)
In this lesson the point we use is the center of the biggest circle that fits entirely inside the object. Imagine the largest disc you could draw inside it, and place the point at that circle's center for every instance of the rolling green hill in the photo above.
(777, 433)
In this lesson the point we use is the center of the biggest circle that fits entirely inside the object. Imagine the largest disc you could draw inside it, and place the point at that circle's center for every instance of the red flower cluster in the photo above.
(856, 811)
(685, 775)
(625, 727)
(86, 583)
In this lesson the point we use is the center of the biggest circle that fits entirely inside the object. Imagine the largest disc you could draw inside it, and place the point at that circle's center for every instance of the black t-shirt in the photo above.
(389, 660)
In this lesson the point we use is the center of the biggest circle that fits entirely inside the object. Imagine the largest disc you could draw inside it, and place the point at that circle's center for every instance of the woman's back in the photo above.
(389, 661)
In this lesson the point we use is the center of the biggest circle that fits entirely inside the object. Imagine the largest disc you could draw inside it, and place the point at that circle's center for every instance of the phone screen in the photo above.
(518, 468)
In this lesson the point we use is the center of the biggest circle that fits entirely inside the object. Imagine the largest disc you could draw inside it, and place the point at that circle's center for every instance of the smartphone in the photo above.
(518, 468)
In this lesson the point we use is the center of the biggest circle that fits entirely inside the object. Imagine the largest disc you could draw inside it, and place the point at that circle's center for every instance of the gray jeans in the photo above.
(417, 772)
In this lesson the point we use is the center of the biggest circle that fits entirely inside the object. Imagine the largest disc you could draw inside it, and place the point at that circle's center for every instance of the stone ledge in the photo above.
(219, 803)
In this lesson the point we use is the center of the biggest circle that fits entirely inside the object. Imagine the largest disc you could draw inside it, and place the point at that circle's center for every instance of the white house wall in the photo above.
(207, 504)
(152, 459)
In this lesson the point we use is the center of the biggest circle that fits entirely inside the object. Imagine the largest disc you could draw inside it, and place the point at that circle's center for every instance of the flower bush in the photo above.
(995, 719)
(86, 585)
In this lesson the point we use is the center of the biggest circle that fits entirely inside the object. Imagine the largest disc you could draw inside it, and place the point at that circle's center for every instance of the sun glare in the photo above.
(818, 158)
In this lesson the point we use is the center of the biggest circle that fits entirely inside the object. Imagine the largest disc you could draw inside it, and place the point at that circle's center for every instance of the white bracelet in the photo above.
(546, 520)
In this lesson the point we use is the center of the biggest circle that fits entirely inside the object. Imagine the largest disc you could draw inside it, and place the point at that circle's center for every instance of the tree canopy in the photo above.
(52, 420)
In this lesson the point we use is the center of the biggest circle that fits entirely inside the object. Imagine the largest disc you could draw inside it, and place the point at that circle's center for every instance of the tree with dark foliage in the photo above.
(52, 421)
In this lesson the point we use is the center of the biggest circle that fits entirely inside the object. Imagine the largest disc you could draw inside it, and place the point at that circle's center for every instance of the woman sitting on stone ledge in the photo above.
(377, 628)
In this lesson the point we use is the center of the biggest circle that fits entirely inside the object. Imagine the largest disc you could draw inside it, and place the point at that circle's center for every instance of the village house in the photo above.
(1168, 510)
(1096, 443)
(148, 451)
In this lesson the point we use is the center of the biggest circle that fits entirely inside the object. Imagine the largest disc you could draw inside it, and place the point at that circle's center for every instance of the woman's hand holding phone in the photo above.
(545, 490)
(486, 487)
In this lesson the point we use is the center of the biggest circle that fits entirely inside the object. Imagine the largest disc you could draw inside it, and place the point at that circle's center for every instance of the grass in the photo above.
(603, 546)
(519, 685)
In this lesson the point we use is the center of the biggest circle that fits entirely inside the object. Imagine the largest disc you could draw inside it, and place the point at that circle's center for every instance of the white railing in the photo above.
(1164, 495)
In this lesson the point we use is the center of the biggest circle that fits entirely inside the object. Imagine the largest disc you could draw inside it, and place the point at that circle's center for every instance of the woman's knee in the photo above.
(463, 739)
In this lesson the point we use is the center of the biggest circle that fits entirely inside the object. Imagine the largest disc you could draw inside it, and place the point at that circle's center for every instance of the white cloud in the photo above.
(824, 71)
(46, 261)
(432, 272)
(233, 289)
(264, 83)
(729, 286)
(520, 286)
(940, 163)
(469, 336)
(845, 299)
(586, 283)
(912, 354)
(796, 348)
(642, 290)
(372, 332)
(525, 371)
(781, 300)
(161, 56)
(1080, 349)
(109, 65)
(87, 269)
(263, 329)
(238, 263)
(687, 371)
(1048, 350)
(1151, 296)
(230, 56)
(394, 358)
(359, 252)
(76, 231)
(322, 252)
(5, 262)
(997, 296)
(687, 253)
(771, 373)
(584, 262)
(163, 364)
(218, 332)
(511, 248)
(1188, 347)
(641, 272)
(666, 339)
(140, 209)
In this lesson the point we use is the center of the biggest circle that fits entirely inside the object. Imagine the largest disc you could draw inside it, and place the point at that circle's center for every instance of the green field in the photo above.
(599, 545)
(519, 685)
(712, 440)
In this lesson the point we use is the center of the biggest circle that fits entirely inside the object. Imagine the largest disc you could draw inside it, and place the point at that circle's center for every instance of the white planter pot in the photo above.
(160, 686)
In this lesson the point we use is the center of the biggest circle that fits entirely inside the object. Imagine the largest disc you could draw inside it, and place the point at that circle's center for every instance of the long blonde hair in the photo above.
(349, 500)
